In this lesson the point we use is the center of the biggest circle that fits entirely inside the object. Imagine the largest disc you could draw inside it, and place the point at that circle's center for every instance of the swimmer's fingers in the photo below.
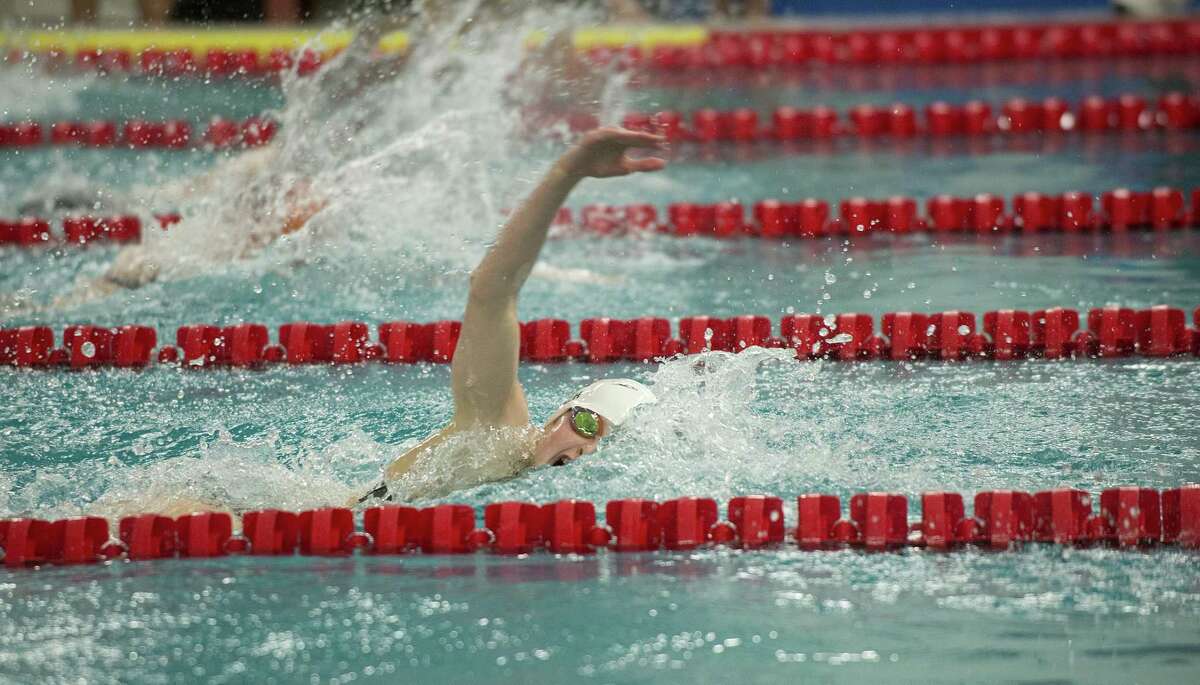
(604, 152)
(622, 137)
(644, 164)
(639, 139)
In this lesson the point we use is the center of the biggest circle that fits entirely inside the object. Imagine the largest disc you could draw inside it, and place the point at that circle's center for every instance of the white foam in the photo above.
(416, 167)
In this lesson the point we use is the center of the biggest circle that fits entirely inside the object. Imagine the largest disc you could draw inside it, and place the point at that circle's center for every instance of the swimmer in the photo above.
(253, 178)
(251, 181)
(490, 436)
(258, 186)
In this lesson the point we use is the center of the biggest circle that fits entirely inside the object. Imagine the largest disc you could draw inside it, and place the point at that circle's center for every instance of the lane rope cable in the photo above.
(1129, 518)
(950, 336)
(1115, 211)
(976, 119)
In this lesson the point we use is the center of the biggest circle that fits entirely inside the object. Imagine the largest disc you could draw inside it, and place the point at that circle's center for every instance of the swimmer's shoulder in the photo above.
(512, 444)
(404, 463)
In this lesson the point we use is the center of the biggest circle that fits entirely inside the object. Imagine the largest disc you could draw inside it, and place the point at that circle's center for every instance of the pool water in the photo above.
(417, 177)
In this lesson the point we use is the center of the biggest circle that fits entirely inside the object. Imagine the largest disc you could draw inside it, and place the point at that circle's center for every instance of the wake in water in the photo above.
(420, 160)
(410, 174)
(721, 426)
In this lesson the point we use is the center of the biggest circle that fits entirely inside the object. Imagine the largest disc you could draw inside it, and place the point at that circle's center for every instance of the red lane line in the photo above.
(1116, 210)
(1003, 335)
(1124, 114)
(982, 214)
(173, 63)
(780, 49)
(1128, 518)
(173, 134)
(1017, 116)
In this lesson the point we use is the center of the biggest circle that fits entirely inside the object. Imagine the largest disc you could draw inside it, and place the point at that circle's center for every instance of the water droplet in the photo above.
(830, 278)
(866, 294)
(88, 349)
(964, 329)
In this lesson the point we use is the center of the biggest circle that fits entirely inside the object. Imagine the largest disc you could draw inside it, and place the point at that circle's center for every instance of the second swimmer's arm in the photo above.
(484, 371)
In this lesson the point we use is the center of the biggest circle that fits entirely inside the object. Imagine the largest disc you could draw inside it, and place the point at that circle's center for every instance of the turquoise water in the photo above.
(841, 617)
(396, 243)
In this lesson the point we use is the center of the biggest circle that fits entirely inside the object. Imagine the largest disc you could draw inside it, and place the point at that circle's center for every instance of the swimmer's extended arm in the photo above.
(484, 372)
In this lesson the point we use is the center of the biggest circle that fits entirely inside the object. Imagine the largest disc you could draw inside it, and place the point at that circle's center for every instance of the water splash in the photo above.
(409, 166)
(721, 427)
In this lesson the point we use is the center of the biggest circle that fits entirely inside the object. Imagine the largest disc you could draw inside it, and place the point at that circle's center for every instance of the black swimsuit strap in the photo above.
(380, 492)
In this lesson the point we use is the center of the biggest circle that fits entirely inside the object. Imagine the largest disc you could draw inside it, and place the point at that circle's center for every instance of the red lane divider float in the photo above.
(1128, 518)
(177, 62)
(31, 231)
(1116, 210)
(172, 134)
(1003, 335)
(78, 230)
(754, 50)
(1127, 114)
(891, 46)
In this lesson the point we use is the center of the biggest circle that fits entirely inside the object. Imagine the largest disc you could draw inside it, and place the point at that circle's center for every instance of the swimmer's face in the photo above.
(561, 445)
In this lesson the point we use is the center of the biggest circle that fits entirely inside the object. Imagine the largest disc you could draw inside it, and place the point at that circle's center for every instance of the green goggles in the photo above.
(585, 422)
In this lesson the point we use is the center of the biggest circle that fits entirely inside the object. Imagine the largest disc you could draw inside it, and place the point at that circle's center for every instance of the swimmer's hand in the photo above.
(604, 153)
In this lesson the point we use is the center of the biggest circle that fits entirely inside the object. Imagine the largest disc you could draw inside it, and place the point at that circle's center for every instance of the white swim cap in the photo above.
(612, 398)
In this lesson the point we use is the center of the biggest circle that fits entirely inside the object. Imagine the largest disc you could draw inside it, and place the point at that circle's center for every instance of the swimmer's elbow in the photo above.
(486, 289)
(480, 289)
